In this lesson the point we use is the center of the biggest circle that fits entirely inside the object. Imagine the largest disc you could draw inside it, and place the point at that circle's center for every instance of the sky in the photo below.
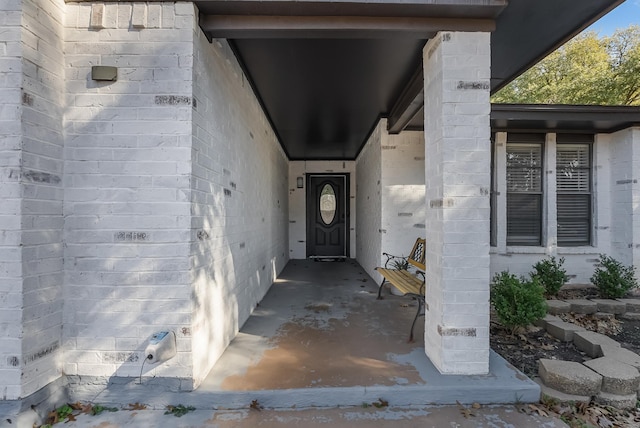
(621, 17)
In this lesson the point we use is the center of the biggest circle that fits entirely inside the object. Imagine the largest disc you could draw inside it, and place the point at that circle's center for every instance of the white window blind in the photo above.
(524, 194)
(573, 184)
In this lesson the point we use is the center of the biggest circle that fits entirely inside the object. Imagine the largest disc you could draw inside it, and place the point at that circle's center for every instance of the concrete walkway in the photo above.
(321, 339)
(357, 417)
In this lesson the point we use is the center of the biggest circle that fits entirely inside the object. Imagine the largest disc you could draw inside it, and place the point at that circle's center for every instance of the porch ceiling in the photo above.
(326, 71)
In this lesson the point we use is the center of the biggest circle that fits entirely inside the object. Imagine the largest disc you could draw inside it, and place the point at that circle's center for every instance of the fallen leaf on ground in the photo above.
(136, 406)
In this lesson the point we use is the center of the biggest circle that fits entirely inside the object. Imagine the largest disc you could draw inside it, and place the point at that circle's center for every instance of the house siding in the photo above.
(369, 202)
(127, 187)
(403, 191)
(11, 256)
(240, 202)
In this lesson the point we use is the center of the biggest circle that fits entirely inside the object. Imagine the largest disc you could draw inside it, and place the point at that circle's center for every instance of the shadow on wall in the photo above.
(157, 236)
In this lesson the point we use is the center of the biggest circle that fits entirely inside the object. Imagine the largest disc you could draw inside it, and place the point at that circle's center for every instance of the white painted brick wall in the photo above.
(31, 254)
(403, 191)
(625, 187)
(457, 151)
(128, 187)
(42, 170)
(369, 202)
(10, 193)
(298, 208)
(240, 202)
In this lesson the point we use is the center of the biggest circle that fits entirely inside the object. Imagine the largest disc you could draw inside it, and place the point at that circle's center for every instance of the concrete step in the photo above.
(623, 355)
(617, 378)
(542, 322)
(630, 316)
(569, 377)
(583, 306)
(591, 343)
(610, 306)
(623, 402)
(556, 307)
(560, 396)
(562, 331)
(632, 305)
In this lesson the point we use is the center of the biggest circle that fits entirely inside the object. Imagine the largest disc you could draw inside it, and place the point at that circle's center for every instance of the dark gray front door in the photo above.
(327, 216)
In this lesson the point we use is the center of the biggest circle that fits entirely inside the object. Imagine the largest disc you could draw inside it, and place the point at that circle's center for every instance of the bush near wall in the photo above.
(517, 301)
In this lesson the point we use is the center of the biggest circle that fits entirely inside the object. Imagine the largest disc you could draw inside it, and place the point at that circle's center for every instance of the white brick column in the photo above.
(127, 185)
(457, 176)
(11, 206)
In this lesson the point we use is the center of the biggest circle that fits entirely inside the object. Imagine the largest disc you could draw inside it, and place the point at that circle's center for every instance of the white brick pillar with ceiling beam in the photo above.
(457, 175)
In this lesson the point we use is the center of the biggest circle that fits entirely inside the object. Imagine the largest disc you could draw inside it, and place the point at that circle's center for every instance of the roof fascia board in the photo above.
(257, 26)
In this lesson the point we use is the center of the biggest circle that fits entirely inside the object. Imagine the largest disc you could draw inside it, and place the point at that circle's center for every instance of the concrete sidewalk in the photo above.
(354, 417)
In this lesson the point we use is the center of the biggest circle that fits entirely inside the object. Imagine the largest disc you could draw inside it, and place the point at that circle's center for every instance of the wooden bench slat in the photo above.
(403, 281)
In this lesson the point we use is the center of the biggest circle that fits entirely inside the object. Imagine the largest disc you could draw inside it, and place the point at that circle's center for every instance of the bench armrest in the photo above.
(391, 257)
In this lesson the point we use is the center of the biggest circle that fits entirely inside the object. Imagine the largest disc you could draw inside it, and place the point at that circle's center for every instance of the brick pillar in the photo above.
(457, 176)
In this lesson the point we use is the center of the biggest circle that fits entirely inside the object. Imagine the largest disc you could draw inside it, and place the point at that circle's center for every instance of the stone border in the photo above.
(612, 376)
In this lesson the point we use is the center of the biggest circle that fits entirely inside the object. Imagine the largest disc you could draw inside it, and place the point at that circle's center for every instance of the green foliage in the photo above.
(550, 274)
(400, 264)
(179, 410)
(586, 70)
(613, 279)
(98, 408)
(517, 302)
(64, 411)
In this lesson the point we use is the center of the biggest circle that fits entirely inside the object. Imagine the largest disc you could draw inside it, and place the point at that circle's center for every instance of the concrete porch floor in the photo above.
(320, 338)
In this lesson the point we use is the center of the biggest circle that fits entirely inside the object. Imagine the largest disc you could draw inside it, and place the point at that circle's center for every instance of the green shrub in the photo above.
(517, 302)
(613, 279)
(550, 274)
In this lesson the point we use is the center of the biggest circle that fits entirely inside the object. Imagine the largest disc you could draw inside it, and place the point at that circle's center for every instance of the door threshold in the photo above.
(328, 258)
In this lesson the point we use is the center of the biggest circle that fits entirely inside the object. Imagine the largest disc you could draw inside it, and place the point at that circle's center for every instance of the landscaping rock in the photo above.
(617, 378)
(623, 355)
(633, 305)
(555, 307)
(591, 343)
(542, 323)
(563, 330)
(569, 377)
(610, 305)
(560, 396)
(583, 306)
(623, 402)
(606, 316)
(630, 316)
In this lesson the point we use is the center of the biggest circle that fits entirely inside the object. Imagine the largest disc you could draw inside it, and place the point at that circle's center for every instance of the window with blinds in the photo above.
(573, 184)
(524, 193)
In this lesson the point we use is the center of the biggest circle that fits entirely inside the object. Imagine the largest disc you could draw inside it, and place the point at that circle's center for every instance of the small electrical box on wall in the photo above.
(104, 73)
(161, 347)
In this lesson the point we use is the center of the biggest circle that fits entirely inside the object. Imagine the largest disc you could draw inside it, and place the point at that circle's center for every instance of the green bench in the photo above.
(408, 283)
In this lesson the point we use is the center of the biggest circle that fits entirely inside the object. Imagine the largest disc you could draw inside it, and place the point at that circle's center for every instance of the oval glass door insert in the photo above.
(327, 204)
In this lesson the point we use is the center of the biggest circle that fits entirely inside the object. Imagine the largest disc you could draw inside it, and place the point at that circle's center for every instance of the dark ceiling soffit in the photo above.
(259, 26)
(408, 105)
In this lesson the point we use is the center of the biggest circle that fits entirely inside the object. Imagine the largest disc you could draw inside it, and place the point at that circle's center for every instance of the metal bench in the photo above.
(408, 283)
